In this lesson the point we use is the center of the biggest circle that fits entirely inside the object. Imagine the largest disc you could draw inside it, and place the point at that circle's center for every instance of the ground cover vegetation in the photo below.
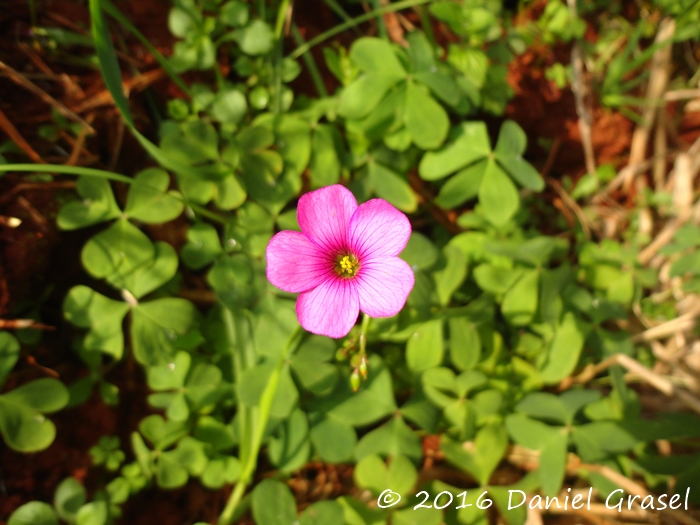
(545, 154)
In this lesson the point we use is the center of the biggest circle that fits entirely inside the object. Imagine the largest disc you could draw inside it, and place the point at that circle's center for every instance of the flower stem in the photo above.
(253, 419)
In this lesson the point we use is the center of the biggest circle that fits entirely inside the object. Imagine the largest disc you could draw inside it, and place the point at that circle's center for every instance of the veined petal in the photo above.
(324, 216)
(295, 263)
(383, 285)
(377, 229)
(330, 309)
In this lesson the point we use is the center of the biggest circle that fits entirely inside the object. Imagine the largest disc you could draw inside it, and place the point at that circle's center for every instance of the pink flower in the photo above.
(344, 260)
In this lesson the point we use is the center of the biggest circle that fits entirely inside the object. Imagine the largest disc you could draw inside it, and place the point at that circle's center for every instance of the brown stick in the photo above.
(18, 78)
(18, 139)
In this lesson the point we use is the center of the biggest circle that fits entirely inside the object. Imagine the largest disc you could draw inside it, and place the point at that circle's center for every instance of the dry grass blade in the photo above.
(104, 98)
(584, 115)
(660, 72)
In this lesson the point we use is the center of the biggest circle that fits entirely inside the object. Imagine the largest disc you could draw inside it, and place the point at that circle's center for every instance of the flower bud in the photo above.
(363, 368)
(355, 380)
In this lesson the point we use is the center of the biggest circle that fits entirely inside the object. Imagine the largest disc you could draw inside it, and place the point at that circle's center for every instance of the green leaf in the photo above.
(169, 376)
(496, 279)
(86, 308)
(419, 516)
(393, 438)
(160, 432)
(229, 106)
(470, 142)
(449, 278)
(155, 326)
(465, 344)
(361, 97)
(565, 349)
(553, 463)
(234, 13)
(512, 140)
(116, 252)
(203, 385)
(374, 400)
(374, 55)
(290, 448)
(425, 346)
(202, 247)
(426, 120)
(522, 171)
(520, 302)
(286, 395)
(220, 471)
(230, 193)
(325, 165)
(97, 205)
(94, 513)
(392, 187)
(489, 446)
(43, 395)
(70, 495)
(382, 69)
(22, 424)
(463, 186)
(498, 196)
(257, 38)
(596, 440)
(195, 142)
(148, 278)
(9, 353)
(371, 473)
(33, 513)
(543, 405)
(333, 440)
(170, 474)
(322, 513)
(252, 383)
(149, 200)
(311, 368)
(284, 510)
(420, 253)
(189, 453)
(528, 432)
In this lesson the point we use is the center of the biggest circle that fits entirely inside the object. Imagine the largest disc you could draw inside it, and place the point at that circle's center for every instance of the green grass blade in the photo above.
(310, 64)
(104, 174)
(338, 10)
(398, 6)
(111, 73)
(115, 13)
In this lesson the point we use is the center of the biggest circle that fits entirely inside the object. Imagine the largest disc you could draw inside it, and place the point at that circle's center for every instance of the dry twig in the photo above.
(18, 139)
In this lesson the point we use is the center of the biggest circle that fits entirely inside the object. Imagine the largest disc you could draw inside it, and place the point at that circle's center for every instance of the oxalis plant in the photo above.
(466, 328)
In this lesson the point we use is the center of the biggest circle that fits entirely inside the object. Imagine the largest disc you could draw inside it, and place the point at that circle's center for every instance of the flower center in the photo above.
(347, 265)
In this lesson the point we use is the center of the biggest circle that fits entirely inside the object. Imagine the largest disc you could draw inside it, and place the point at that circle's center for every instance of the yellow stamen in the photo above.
(347, 266)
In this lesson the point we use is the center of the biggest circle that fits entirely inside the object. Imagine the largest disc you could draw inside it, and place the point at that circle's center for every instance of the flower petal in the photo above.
(329, 309)
(324, 215)
(295, 263)
(377, 229)
(383, 285)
